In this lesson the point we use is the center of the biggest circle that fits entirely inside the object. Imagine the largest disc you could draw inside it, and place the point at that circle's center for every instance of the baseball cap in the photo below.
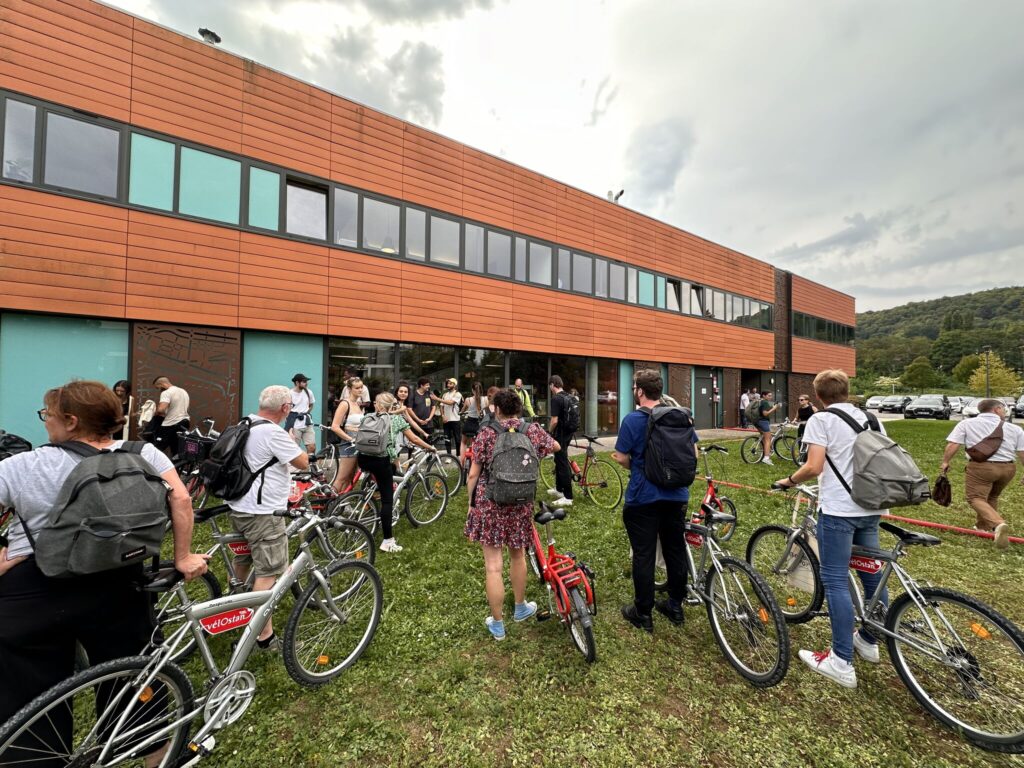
(300, 377)
(452, 380)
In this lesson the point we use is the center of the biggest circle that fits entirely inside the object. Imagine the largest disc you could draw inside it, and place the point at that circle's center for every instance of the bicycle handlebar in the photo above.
(719, 448)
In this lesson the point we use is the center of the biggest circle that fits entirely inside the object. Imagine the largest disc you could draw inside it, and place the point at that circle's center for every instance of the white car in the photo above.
(970, 409)
(955, 404)
(874, 402)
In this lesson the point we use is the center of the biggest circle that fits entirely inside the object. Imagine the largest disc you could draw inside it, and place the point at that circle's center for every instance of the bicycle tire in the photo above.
(357, 506)
(197, 490)
(206, 587)
(327, 463)
(605, 496)
(547, 472)
(760, 626)
(752, 449)
(426, 499)
(785, 447)
(345, 539)
(796, 583)
(724, 531)
(581, 625)
(450, 466)
(982, 679)
(356, 590)
(60, 698)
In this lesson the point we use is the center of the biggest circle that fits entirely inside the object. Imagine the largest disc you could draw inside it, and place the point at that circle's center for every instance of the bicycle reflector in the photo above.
(146, 695)
(763, 614)
(323, 659)
(980, 631)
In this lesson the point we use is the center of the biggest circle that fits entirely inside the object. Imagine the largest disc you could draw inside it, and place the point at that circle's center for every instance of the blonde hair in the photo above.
(388, 403)
(351, 385)
(832, 386)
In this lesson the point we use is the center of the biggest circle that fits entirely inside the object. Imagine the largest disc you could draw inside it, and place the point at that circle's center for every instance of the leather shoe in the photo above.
(638, 620)
(675, 615)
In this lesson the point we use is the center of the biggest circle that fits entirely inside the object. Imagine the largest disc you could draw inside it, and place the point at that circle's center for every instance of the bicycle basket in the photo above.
(194, 447)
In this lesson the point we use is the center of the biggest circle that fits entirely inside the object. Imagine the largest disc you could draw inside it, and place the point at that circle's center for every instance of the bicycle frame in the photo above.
(560, 572)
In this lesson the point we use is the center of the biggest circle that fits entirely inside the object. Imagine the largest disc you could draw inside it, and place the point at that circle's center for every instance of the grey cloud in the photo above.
(603, 99)
(419, 11)
(859, 233)
(965, 244)
(656, 155)
(418, 84)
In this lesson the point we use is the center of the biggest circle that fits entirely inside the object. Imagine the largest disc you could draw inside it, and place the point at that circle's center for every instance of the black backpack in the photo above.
(12, 444)
(569, 421)
(669, 458)
(226, 473)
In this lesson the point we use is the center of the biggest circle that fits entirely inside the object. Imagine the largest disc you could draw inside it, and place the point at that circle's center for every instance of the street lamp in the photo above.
(988, 389)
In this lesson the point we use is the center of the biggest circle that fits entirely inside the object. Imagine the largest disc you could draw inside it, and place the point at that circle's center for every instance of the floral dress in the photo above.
(502, 525)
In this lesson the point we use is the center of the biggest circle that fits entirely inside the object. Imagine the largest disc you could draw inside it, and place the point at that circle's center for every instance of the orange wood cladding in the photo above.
(813, 356)
(815, 299)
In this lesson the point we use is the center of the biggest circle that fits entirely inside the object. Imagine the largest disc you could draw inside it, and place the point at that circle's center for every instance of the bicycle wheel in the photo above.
(426, 499)
(358, 506)
(785, 447)
(791, 570)
(167, 611)
(342, 539)
(603, 483)
(747, 623)
(547, 471)
(71, 723)
(327, 463)
(967, 670)
(327, 632)
(752, 450)
(581, 625)
(449, 466)
(724, 531)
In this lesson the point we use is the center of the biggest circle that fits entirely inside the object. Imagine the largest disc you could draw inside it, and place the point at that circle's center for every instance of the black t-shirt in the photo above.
(559, 409)
(805, 412)
(421, 404)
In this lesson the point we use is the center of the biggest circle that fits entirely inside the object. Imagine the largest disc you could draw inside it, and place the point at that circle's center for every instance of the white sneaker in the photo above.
(562, 502)
(555, 494)
(1002, 536)
(867, 651)
(831, 666)
(390, 545)
(768, 461)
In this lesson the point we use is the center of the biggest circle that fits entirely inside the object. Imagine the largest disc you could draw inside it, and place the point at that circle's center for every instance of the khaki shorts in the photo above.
(306, 435)
(267, 542)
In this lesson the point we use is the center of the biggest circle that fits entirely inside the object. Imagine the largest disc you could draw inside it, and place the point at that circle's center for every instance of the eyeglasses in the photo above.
(42, 413)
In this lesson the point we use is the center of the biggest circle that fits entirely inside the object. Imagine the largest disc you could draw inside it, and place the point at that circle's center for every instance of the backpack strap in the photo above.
(857, 428)
(133, 446)
(78, 448)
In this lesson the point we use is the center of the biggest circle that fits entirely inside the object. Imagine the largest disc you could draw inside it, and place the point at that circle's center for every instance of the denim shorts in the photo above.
(346, 450)
(764, 425)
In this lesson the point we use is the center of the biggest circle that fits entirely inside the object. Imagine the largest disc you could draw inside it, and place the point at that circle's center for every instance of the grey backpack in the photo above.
(884, 475)
(374, 435)
(111, 511)
(514, 468)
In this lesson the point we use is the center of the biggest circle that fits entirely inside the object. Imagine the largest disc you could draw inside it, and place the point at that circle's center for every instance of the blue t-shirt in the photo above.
(632, 442)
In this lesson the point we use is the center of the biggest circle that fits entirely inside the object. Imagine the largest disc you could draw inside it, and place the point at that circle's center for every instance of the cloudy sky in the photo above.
(876, 146)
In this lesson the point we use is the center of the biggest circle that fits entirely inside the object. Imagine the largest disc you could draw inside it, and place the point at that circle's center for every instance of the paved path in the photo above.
(705, 435)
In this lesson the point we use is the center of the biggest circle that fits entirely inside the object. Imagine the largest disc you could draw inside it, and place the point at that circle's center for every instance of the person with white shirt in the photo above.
(451, 413)
(987, 476)
(269, 452)
(173, 410)
(744, 402)
(842, 523)
(300, 421)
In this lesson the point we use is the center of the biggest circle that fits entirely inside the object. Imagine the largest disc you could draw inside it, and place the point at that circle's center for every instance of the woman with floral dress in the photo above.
(501, 526)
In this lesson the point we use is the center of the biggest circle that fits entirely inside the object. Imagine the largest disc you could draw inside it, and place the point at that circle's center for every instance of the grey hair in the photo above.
(272, 398)
(989, 404)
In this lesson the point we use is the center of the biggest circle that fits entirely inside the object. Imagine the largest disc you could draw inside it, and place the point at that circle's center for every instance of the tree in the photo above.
(920, 375)
(888, 382)
(947, 350)
(968, 365)
(1002, 380)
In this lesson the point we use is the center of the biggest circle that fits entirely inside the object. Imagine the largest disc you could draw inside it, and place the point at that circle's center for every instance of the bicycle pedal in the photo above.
(201, 750)
(693, 601)
(543, 615)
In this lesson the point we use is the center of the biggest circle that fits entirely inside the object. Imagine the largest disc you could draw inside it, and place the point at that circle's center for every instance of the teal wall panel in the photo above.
(264, 198)
(625, 388)
(151, 175)
(273, 358)
(38, 353)
(210, 186)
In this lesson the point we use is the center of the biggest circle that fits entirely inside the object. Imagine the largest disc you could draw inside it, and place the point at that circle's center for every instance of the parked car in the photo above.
(874, 402)
(895, 403)
(1011, 407)
(928, 407)
(1019, 408)
(970, 409)
(956, 404)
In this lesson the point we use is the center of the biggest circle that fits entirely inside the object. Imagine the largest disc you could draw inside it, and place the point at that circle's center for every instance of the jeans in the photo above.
(382, 470)
(563, 472)
(453, 435)
(645, 524)
(836, 537)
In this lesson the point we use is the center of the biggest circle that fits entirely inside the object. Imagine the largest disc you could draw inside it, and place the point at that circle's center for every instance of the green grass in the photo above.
(435, 690)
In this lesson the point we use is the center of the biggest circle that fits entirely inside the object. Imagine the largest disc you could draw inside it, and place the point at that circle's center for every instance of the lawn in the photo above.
(435, 690)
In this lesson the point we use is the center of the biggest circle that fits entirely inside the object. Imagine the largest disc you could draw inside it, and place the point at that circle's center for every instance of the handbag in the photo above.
(942, 493)
(986, 449)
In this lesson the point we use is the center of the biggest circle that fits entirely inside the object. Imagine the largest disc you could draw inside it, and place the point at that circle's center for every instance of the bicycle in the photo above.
(193, 448)
(325, 461)
(962, 660)
(569, 583)
(783, 445)
(123, 709)
(599, 477)
(448, 464)
(745, 620)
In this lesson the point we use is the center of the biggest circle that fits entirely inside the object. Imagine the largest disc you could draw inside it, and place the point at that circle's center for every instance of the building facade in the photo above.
(168, 208)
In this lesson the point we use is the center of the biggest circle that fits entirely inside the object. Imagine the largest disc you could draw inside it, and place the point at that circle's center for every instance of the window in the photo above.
(564, 267)
(540, 264)
(617, 281)
(646, 288)
(416, 360)
(346, 217)
(697, 301)
(821, 331)
(444, 241)
(209, 186)
(582, 272)
(728, 308)
(600, 277)
(718, 305)
(372, 361)
(499, 254)
(82, 156)
(307, 211)
(520, 259)
(19, 141)
(685, 297)
(671, 295)
(151, 173)
(474, 248)
(659, 292)
(415, 234)
(738, 311)
(631, 285)
(264, 199)
(381, 222)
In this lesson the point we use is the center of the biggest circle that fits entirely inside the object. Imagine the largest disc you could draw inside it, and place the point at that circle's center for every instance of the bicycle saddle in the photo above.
(910, 537)
(208, 513)
(547, 514)
(717, 518)
(591, 438)
(160, 580)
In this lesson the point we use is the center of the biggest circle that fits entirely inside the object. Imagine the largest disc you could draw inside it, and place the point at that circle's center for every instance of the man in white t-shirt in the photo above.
(300, 420)
(987, 476)
(269, 447)
(173, 409)
(744, 402)
(451, 406)
(842, 523)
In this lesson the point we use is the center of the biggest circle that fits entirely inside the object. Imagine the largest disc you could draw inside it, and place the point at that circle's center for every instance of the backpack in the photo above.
(985, 449)
(111, 512)
(374, 435)
(225, 472)
(569, 422)
(669, 459)
(884, 474)
(514, 469)
(753, 411)
(12, 444)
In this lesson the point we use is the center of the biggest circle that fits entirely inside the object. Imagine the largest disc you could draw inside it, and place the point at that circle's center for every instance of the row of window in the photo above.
(820, 329)
(57, 148)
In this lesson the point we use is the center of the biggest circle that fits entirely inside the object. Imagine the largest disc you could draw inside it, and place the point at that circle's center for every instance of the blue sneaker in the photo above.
(524, 611)
(495, 627)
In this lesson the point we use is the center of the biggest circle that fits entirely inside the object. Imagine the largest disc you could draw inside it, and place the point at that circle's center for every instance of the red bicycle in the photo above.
(723, 531)
(570, 584)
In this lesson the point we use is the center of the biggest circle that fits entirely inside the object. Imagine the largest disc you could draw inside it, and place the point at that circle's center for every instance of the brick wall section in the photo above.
(679, 383)
(801, 384)
(730, 393)
(783, 321)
